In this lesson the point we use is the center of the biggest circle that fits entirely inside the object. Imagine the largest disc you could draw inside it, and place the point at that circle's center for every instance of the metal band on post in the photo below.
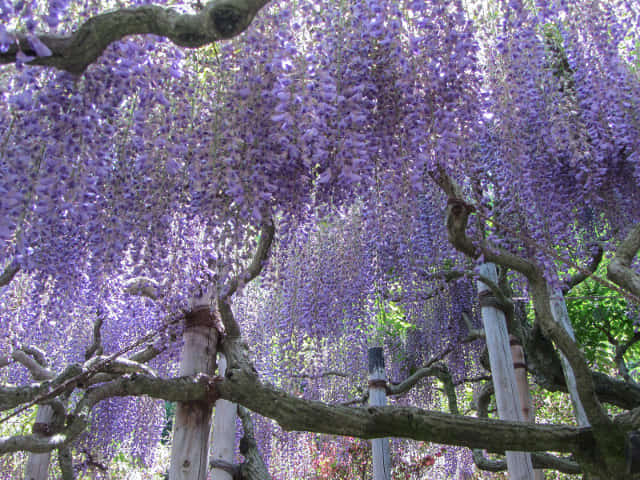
(40, 428)
(378, 384)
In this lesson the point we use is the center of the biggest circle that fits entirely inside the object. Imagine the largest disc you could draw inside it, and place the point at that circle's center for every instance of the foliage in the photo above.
(603, 319)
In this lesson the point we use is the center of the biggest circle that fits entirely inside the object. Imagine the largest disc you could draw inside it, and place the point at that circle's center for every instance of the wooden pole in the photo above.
(522, 381)
(561, 316)
(224, 430)
(504, 379)
(38, 463)
(378, 397)
(192, 424)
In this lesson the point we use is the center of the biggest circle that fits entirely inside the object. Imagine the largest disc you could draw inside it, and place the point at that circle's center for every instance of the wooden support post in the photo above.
(378, 397)
(224, 430)
(561, 316)
(522, 381)
(504, 379)
(192, 424)
(37, 467)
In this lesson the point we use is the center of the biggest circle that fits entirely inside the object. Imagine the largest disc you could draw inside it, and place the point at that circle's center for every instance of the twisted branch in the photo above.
(218, 19)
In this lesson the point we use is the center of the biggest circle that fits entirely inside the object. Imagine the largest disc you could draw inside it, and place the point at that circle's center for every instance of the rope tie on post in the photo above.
(44, 429)
(488, 299)
(201, 317)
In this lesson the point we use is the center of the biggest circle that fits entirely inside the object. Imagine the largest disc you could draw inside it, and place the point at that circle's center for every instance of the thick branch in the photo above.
(37, 370)
(185, 389)
(328, 373)
(119, 366)
(621, 350)
(9, 271)
(539, 460)
(34, 443)
(218, 19)
(146, 354)
(408, 383)
(253, 468)
(65, 461)
(474, 333)
(96, 346)
(232, 469)
(619, 270)
(39, 355)
(583, 376)
(581, 276)
(294, 413)
(143, 287)
(431, 369)
(457, 217)
(12, 397)
(261, 254)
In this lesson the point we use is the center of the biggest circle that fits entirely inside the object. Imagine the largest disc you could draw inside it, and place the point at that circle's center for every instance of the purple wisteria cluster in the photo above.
(331, 118)
(558, 143)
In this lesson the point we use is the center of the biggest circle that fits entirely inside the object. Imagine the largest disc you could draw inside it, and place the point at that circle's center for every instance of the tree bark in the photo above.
(504, 380)
(192, 425)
